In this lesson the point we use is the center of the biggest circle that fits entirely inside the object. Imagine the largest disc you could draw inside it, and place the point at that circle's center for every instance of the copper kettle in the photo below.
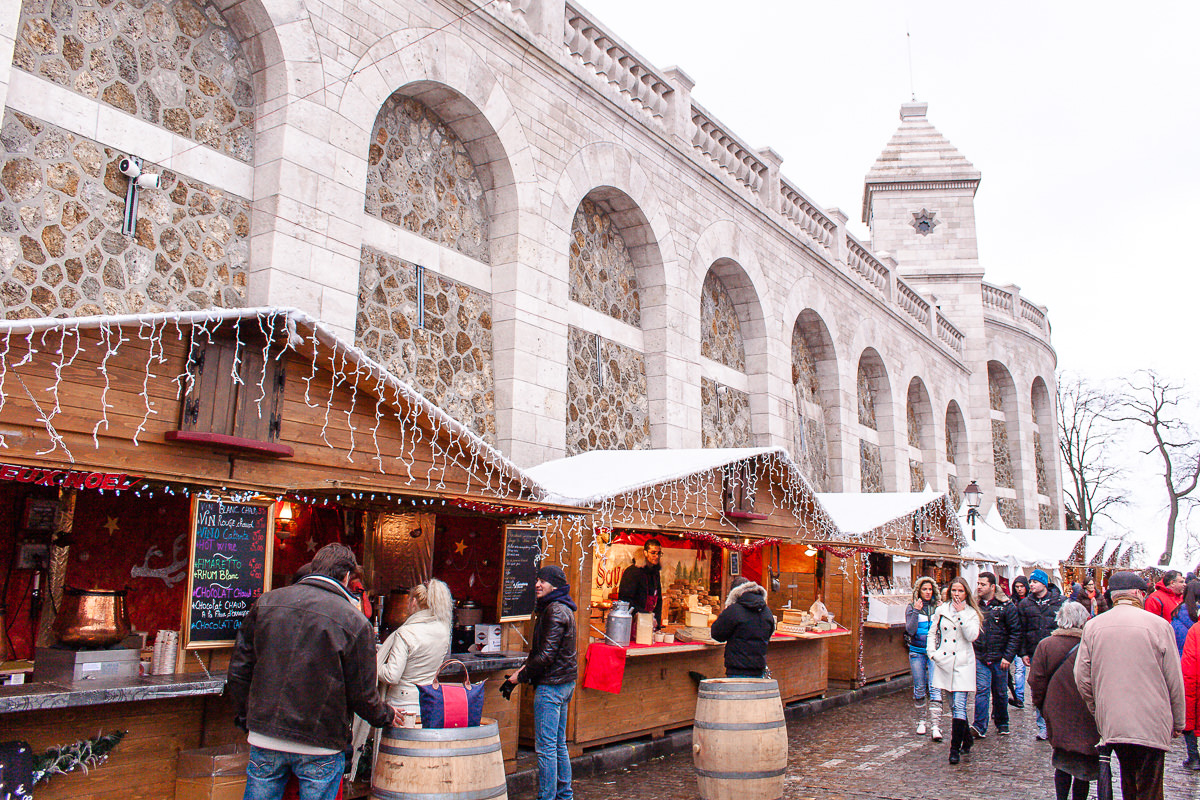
(92, 617)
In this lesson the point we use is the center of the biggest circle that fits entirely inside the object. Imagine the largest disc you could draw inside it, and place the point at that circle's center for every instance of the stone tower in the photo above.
(919, 201)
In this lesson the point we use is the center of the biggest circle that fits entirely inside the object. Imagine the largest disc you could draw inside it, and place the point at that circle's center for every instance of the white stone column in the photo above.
(671, 329)
(10, 22)
(547, 21)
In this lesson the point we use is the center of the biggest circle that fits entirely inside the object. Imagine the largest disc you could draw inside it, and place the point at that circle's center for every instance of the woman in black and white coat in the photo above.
(955, 626)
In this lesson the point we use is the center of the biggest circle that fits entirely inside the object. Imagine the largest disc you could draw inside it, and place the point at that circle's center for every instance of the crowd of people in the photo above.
(1109, 674)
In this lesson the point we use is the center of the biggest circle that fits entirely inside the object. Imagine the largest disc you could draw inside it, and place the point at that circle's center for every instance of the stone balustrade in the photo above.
(808, 217)
(1006, 301)
(950, 335)
(615, 62)
(871, 269)
(997, 298)
(727, 151)
(916, 306)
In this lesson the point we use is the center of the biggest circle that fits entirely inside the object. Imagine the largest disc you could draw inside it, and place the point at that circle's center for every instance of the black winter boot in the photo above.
(957, 730)
(968, 740)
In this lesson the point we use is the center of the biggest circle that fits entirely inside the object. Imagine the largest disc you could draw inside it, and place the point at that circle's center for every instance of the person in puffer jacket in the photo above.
(745, 625)
(916, 634)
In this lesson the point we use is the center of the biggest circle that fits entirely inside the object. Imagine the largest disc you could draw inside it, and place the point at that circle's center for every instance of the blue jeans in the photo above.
(1019, 678)
(922, 671)
(991, 679)
(550, 740)
(958, 705)
(268, 771)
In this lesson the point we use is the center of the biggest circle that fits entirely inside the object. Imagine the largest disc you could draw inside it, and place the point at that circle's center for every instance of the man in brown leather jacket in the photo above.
(303, 663)
(551, 668)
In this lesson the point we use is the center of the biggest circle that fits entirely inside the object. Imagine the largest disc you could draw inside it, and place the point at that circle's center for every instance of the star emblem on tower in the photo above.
(924, 221)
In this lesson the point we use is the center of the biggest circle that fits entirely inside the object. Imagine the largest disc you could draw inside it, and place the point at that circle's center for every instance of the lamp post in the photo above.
(974, 497)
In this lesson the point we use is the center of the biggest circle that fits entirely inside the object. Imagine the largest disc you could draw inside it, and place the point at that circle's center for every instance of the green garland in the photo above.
(80, 755)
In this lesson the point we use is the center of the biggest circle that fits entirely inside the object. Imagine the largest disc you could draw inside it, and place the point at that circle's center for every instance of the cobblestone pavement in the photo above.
(869, 750)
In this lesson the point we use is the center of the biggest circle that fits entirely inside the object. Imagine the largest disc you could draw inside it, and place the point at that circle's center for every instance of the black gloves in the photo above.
(506, 688)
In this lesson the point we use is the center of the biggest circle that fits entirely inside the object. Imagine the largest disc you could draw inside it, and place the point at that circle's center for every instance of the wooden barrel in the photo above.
(440, 764)
(739, 740)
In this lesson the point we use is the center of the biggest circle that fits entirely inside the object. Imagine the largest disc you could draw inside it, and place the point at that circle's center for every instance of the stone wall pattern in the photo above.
(720, 330)
(1001, 458)
(174, 64)
(449, 360)
(804, 370)
(615, 416)
(866, 400)
(952, 488)
(914, 427)
(870, 467)
(62, 253)
(811, 451)
(1010, 512)
(1043, 480)
(995, 394)
(420, 177)
(1047, 519)
(916, 476)
(951, 446)
(725, 417)
(602, 274)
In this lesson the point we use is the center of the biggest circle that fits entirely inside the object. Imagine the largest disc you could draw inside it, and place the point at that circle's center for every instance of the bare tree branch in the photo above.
(1085, 439)
(1152, 401)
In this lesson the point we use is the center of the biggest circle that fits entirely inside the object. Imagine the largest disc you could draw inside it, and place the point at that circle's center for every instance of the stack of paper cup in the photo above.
(166, 646)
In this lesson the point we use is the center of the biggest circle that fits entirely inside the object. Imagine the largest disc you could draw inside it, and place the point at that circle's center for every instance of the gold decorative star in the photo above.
(111, 526)
(460, 547)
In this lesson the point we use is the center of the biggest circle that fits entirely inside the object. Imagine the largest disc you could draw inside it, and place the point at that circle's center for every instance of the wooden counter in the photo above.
(657, 694)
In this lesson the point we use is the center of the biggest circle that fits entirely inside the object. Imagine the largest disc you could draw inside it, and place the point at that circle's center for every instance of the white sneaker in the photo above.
(921, 728)
(936, 733)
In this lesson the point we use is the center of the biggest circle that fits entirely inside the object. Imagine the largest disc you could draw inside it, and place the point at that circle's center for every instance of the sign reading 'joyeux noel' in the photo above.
(68, 478)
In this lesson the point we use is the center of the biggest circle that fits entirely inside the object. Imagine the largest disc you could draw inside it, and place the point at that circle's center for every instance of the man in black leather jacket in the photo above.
(551, 669)
(304, 662)
(995, 650)
(745, 625)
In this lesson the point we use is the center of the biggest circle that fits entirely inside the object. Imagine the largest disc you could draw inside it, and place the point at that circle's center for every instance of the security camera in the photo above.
(149, 180)
(130, 166)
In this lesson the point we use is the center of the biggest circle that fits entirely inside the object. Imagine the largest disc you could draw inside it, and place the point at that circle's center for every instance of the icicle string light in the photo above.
(454, 449)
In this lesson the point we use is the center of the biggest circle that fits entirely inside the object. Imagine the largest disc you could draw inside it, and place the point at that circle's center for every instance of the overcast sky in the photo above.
(1084, 119)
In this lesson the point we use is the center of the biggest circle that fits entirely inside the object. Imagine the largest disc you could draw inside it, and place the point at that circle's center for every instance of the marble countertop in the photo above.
(49, 695)
(486, 662)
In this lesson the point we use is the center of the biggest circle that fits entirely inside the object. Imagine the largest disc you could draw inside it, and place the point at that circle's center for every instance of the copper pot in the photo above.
(92, 617)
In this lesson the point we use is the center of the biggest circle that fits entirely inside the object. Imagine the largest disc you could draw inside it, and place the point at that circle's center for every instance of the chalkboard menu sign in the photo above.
(229, 567)
(518, 573)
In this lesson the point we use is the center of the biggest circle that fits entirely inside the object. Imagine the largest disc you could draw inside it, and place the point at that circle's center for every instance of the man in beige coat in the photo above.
(1128, 674)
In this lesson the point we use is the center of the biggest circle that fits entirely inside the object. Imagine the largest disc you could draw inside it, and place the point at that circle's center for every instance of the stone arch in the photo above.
(1006, 451)
(423, 177)
(815, 437)
(918, 412)
(876, 424)
(957, 452)
(1045, 454)
(729, 308)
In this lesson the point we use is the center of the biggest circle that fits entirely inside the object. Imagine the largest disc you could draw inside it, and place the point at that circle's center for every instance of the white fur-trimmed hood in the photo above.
(749, 587)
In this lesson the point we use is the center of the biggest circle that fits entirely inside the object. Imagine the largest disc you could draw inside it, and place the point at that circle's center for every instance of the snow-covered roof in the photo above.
(1055, 545)
(860, 512)
(302, 330)
(592, 477)
(1094, 547)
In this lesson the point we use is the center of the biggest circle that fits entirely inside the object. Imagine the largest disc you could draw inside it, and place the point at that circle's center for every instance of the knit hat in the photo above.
(553, 575)
(1040, 576)
(1121, 581)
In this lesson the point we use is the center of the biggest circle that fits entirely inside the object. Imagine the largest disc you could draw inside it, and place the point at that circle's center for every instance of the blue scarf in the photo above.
(562, 594)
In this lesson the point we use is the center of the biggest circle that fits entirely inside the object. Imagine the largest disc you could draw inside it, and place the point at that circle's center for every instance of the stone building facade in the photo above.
(541, 230)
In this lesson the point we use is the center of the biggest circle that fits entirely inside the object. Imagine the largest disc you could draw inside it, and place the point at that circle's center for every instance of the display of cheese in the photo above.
(698, 618)
(644, 629)
(887, 609)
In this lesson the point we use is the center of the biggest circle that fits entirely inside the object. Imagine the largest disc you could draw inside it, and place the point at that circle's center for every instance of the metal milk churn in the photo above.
(620, 624)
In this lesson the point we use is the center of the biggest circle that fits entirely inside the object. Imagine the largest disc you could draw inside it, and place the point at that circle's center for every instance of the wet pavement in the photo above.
(870, 750)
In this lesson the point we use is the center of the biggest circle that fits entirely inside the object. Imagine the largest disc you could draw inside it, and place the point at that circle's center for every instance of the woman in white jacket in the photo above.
(955, 626)
(411, 656)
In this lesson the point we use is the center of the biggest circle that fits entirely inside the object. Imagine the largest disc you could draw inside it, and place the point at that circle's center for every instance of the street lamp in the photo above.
(974, 497)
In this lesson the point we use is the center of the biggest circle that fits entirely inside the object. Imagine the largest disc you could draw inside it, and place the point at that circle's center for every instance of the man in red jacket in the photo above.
(1167, 595)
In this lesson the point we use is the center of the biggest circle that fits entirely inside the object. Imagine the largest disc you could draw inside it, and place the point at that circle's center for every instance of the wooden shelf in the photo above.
(667, 649)
(883, 625)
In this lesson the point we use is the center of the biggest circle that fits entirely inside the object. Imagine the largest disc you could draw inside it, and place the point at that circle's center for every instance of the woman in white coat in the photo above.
(414, 653)
(955, 626)
(412, 656)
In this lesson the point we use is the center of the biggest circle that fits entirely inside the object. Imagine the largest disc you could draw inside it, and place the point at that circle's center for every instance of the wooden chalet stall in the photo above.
(897, 537)
(717, 514)
(196, 460)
